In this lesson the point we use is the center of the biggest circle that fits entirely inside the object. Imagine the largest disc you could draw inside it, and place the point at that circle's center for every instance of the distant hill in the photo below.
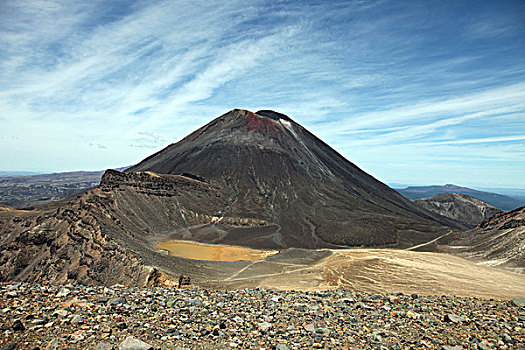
(21, 191)
(499, 201)
(465, 209)
(9, 173)
(27, 191)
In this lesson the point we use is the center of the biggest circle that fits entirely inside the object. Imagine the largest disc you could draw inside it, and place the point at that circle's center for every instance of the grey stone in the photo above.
(484, 347)
(237, 319)
(117, 301)
(9, 346)
(102, 300)
(310, 327)
(299, 307)
(195, 301)
(323, 330)
(346, 300)
(453, 318)
(53, 345)
(282, 347)
(77, 319)
(63, 292)
(104, 346)
(518, 302)
(363, 306)
(131, 343)
(18, 326)
(265, 326)
(507, 338)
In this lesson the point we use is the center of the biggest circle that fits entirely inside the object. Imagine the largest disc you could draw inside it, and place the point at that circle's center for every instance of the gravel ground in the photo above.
(79, 317)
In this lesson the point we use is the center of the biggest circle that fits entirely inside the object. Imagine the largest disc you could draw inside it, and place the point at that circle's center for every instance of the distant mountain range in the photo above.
(466, 210)
(499, 201)
(9, 173)
(19, 190)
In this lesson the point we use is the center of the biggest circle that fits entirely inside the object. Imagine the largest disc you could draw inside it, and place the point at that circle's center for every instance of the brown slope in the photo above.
(466, 210)
(5, 208)
(278, 172)
(106, 235)
(499, 241)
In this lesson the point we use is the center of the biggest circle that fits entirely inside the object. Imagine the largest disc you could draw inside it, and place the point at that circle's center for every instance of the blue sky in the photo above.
(427, 92)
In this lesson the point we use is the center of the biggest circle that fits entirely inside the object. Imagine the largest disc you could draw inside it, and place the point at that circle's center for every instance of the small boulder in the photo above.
(184, 281)
(117, 301)
(77, 319)
(52, 345)
(63, 292)
(131, 343)
(18, 326)
(265, 326)
(453, 318)
(310, 327)
(9, 346)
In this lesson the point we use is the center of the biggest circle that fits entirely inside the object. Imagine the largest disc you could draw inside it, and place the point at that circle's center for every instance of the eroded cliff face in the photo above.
(101, 237)
(499, 241)
(464, 209)
(70, 244)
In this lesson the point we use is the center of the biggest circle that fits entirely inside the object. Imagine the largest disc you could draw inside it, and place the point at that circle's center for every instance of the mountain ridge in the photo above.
(499, 201)
(467, 210)
(498, 241)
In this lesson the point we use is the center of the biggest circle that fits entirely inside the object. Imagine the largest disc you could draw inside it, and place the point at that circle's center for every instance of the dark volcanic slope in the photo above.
(500, 240)
(302, 192)
(467, 210)
(497, 200)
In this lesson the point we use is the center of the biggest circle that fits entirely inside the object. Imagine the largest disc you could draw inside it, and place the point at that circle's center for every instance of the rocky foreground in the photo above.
(78, 317)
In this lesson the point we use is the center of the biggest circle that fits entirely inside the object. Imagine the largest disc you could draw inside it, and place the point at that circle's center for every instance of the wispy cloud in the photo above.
(147, 139)
(481, 140)
(98, 145)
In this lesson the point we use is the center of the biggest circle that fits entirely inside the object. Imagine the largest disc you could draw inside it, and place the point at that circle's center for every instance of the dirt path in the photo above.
(429, 242)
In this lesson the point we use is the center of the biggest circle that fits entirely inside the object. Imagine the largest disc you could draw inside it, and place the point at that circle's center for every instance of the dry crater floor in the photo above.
(362, 270)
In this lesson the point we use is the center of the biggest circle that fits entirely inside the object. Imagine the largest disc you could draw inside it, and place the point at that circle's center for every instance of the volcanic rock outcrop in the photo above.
(466, 210)
(251, 179)
(499, 241)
